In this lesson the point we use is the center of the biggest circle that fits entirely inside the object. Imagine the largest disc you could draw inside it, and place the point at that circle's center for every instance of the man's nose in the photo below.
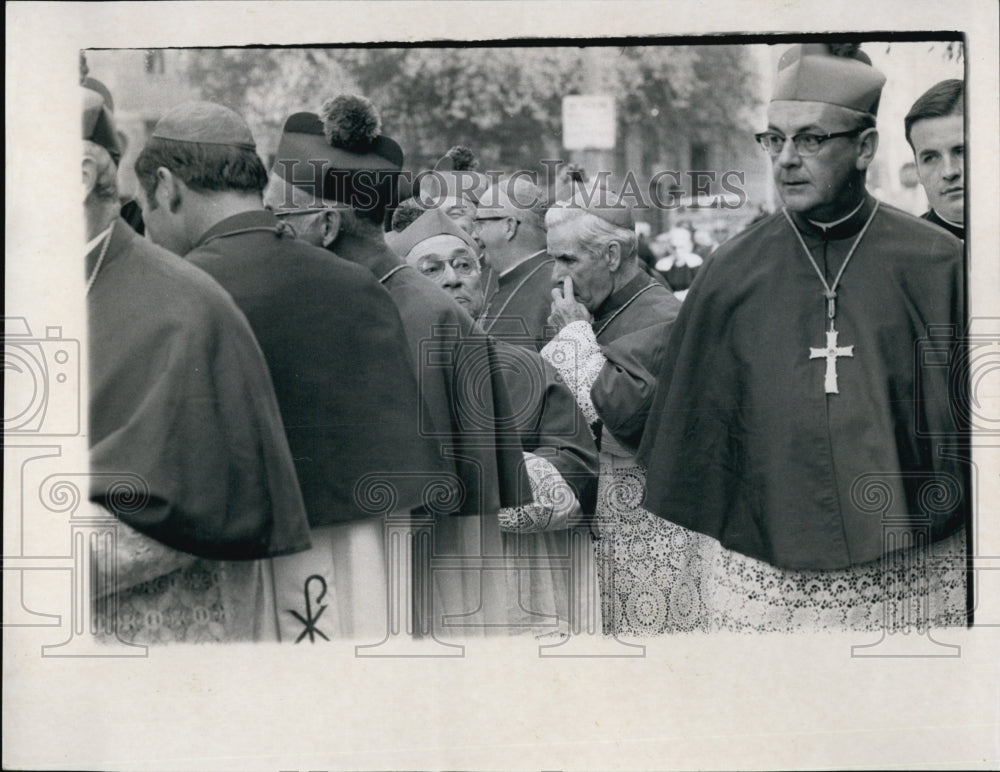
(788, 156)
(953, 167)
(449, 278)
(558, 273)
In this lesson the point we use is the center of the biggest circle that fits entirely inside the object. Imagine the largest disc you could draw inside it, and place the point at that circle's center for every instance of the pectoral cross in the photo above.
(831, 352)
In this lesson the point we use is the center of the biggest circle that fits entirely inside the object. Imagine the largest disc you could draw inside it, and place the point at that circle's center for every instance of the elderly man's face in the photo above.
(823, 185)
(592, 278)
(939, 150)
(297, 209)
(448, 261)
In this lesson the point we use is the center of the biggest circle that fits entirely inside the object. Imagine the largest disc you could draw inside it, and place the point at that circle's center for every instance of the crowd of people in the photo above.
(365, 409)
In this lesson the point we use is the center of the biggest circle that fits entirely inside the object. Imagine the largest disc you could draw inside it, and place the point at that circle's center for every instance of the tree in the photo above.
(265, 86)
(505, 103)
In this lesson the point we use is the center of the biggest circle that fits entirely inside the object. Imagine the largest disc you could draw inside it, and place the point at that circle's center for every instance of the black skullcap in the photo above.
(205, 123)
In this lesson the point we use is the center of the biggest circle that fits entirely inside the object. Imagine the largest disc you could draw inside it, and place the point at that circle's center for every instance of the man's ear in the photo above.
(614, 256)
(510, 228)
(170, 189)
(331, 226)
(89, 176)
(868, 144)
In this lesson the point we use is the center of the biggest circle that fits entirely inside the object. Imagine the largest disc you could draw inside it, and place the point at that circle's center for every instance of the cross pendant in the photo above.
(831, 353)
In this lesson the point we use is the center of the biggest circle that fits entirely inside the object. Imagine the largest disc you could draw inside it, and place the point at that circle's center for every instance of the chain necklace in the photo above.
(499, 314)
(625, 305)
(832, 351)
(282, 229)
(100, 258)
(397, 268)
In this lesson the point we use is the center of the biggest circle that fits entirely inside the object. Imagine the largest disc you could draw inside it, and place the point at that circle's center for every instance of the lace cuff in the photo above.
(575, 353)
(138, 558)
(554, 508)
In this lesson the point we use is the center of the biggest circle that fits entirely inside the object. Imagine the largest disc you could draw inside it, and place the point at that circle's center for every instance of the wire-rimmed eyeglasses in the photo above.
(434, 268)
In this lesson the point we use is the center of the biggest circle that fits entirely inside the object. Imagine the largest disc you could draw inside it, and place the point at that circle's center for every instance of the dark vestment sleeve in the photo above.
(633, 345)
(550, 424)
(623, 391)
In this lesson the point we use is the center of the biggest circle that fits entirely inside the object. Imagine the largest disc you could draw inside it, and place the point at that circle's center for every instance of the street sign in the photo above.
(588, 122)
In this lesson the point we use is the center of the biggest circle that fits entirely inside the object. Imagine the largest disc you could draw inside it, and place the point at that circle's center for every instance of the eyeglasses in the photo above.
(293, 212)
(435, 269)
(481, 220)
(805, 144)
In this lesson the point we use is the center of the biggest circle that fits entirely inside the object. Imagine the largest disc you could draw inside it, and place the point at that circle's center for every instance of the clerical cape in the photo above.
(338, 358)
(745, 444)
(466, 404)
(519, 302)
(549, 422)
(186, 441)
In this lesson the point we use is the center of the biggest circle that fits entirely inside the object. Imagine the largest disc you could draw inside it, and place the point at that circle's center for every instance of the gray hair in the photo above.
(106, 187)
(594, 233)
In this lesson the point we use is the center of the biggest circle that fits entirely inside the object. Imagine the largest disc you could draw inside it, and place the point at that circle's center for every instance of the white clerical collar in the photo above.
(952, 223)
(825, 226)
(514, 267)
(95, 241)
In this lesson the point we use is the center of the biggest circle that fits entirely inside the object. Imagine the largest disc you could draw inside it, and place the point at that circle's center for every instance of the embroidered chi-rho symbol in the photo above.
(309, 621)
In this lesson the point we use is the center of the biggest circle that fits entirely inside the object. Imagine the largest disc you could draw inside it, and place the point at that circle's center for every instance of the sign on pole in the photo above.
(588, 122)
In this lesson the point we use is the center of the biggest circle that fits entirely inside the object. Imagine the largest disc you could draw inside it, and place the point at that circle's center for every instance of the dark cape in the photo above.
(632, 330)
(955, 230)
(519, 302)
(744, 444)
(180, 398)
(466, 406)
(335, 346)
